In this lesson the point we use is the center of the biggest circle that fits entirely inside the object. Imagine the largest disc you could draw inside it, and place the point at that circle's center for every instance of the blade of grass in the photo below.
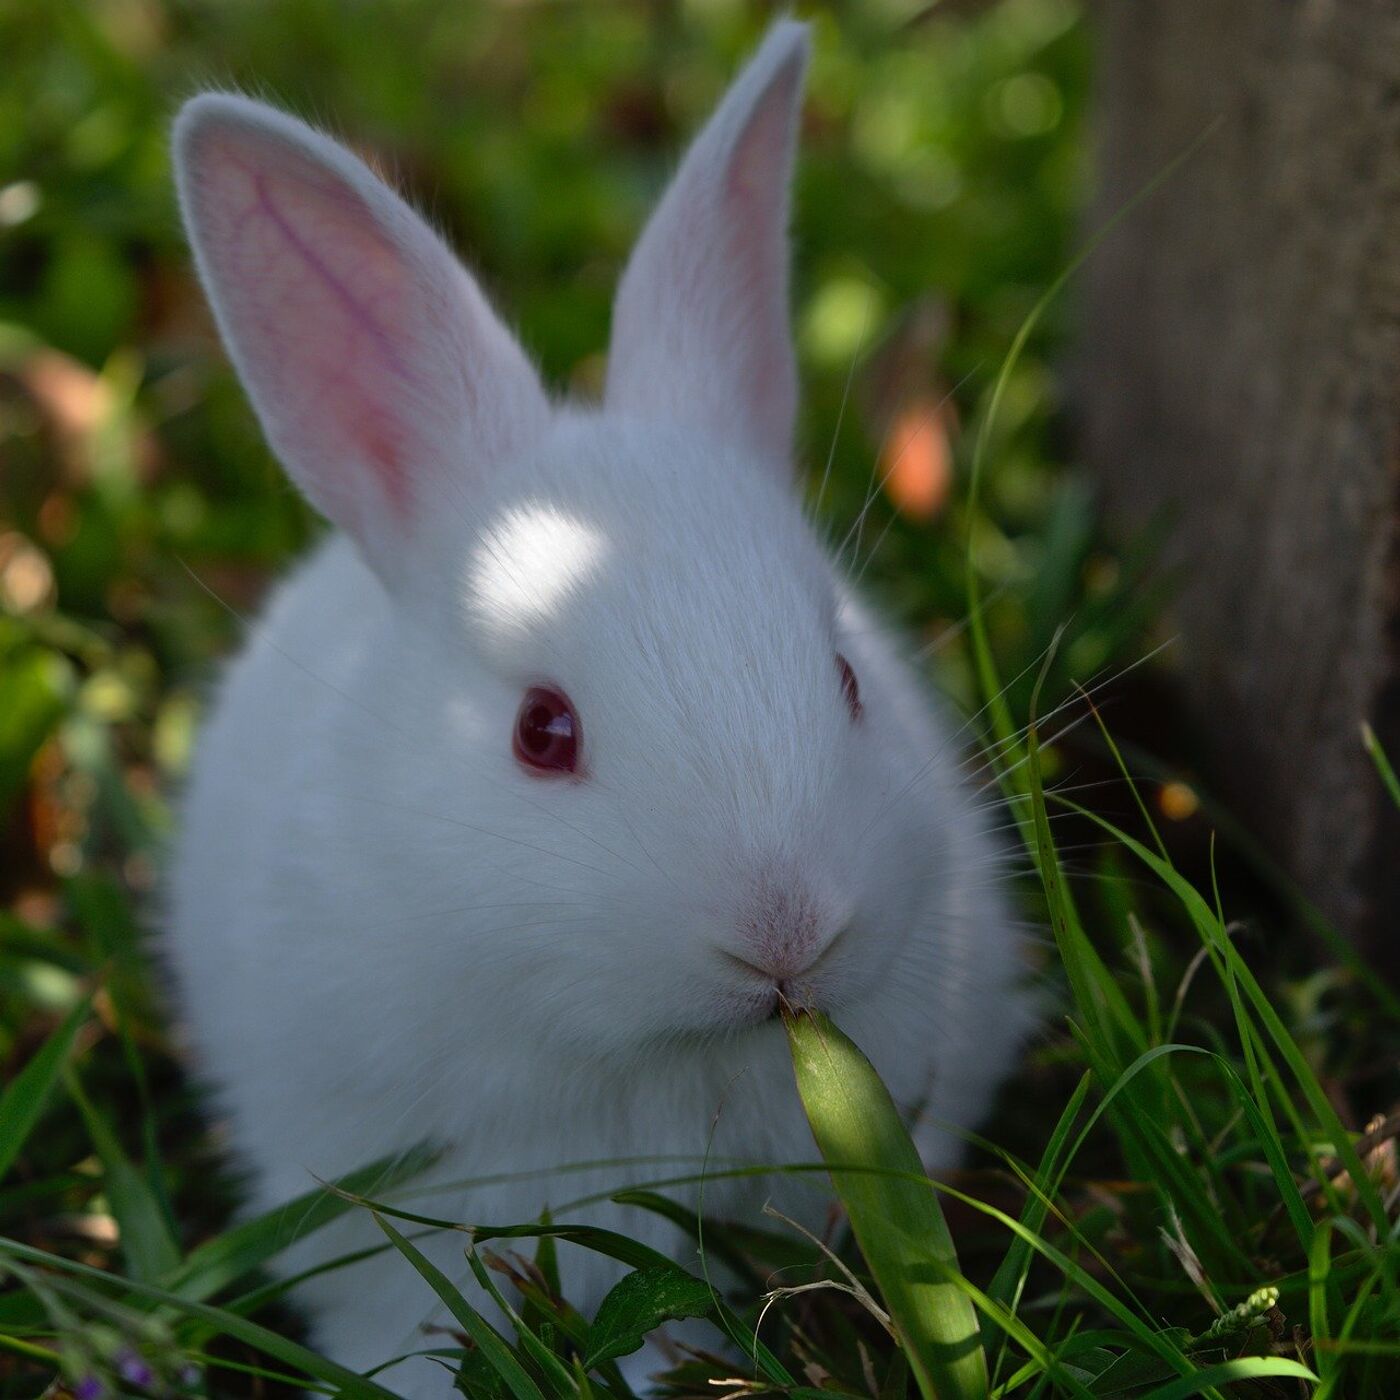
(1340, 1344)
(1268, 870)
(1273, 1150)
(1246, 1368)
(717, 1242)
(487, 1340)
(45, 1356)
(530, 1343)
(1010, 1278)
(147, 1244)
(1243, 1024)
(1099, 1000)
(1045, 1185)
(249, 1245)
(1046, 1198)
(1382, 761)
(1108, 1018)
(1258, 1063)
(1319, 1277)
(544, 1308)
(26, 1095)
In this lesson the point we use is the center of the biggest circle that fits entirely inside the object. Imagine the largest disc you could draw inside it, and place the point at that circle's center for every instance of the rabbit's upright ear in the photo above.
(701, 329)
(382, 378)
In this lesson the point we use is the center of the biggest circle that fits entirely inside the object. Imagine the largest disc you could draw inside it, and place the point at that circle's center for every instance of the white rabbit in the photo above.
(538, 785)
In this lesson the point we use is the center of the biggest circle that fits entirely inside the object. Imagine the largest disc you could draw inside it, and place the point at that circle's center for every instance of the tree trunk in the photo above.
(1241, 373)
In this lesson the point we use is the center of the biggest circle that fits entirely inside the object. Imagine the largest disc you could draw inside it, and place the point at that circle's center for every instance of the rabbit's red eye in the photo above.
(546, 732)
(850, 687)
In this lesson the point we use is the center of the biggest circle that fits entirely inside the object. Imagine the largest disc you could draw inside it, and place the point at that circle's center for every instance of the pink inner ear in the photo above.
(758, 164)
(700, 326)
(318, 300)
(755, 218)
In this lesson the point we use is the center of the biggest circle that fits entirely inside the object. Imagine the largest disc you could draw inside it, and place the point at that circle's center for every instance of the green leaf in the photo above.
(640, 1303)
(1246, 1368)
(897, 1220)
(1116, 1034)
(1133, 1369)
(547, 1259)
(639, 1256)
(22, 1103)
(1272, 1148)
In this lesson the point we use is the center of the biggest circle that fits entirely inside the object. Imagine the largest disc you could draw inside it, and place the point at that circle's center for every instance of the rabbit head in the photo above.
(620, 662)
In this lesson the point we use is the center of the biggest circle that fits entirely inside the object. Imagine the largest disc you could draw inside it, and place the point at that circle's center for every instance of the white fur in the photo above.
(383, 931)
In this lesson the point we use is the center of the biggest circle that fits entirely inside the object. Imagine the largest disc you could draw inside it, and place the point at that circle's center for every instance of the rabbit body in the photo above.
(386, 927)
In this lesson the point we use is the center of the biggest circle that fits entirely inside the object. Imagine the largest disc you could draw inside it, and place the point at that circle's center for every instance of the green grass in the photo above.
(1174, 1197)
(1265, 1251)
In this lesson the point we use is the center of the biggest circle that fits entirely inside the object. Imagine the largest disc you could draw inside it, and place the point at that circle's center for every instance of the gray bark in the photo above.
(1241, 371)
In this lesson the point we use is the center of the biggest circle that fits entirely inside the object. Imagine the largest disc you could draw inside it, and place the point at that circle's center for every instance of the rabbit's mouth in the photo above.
(768, 993)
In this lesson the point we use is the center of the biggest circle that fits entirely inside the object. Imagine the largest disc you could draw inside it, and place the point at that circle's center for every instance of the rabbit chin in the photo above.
(740, 1011)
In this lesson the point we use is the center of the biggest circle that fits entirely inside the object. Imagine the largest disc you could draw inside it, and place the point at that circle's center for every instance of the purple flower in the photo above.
(89, 1388)
(189, 1376)
(133, 1370)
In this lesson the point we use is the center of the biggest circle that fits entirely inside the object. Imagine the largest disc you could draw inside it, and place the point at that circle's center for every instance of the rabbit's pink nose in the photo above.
(783, 931)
